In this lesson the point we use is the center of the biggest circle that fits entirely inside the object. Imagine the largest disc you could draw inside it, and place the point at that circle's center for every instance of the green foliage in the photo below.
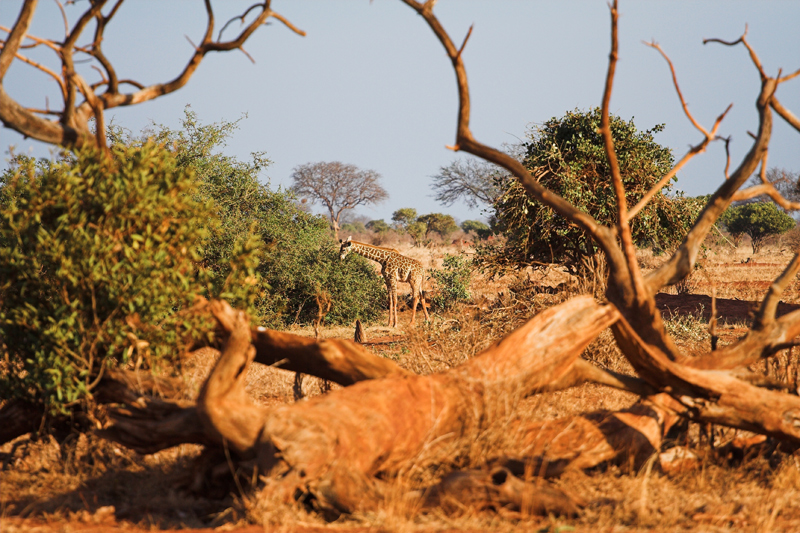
(404, 217)
(572, 149)
(476, 226)
(357, 226)
(453, 281)
(758, 220)
(96, 255)
(417, 231)
(298, 257)
(439, 223)
(406, 221)
(378, 226)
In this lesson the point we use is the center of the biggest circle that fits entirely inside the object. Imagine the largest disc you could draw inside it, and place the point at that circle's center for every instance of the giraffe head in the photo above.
(345, 248)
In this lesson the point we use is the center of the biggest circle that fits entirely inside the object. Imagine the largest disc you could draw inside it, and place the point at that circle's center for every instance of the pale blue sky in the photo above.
(370, 85)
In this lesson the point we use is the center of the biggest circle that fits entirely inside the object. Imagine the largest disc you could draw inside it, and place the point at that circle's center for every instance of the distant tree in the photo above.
(758, 220)
(406, 221)
(353, 227)
(417, 231)
(404, 217)
(338, 187)
(476, 226)
(439, 223)
(378, 226)
(474, 181)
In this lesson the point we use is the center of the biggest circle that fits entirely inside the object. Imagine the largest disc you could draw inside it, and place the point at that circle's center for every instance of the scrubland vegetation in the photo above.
(602, 354)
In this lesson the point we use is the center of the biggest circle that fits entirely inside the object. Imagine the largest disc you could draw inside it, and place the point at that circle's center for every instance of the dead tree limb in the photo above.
(72, 128)
(334, 446)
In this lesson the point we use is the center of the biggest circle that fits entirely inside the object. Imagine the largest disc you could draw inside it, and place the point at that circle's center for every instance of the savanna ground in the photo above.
(733, 482)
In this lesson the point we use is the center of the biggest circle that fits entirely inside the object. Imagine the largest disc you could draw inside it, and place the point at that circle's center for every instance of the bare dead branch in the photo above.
(63, 17)
(72, 129)
(683, 259)
(17, 33)
(788, 77)
(787, 115)
(743, 40)
(767, 189)
(466, 38)
(288, 24)
(605, 237)
(697, 149)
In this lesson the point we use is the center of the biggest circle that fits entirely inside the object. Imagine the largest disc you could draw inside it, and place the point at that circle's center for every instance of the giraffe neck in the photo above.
(371, 252)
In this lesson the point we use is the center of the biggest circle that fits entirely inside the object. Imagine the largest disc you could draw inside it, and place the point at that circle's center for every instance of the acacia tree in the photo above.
(84, 101)
(338, 187)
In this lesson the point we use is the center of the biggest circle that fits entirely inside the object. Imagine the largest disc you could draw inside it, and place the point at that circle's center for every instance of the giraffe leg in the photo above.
(415, 293)
(393, 311)
(391, 307)
(416, 290)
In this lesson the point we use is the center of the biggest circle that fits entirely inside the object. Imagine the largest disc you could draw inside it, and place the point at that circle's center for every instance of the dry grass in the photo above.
(79, 480)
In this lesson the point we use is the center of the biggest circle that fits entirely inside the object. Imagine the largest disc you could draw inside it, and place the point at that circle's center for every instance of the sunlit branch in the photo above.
(697, 149)
(288, 24)
(787, 115)
(623, 225)
(769, 190)
(743, 40)
(63, 17)
(37, 40)
(15, 36)
(466, 142)
(788, 77)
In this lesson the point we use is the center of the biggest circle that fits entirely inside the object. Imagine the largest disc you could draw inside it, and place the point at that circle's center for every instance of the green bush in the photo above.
(96, 256)
(298, 257)
(572, 149)
(453, 281)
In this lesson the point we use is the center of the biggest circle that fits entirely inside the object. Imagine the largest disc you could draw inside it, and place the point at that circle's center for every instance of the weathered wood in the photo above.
(342, 361)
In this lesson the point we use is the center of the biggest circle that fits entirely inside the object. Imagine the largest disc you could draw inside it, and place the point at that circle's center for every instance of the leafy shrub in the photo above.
(453, 281)
(96, 255)
(572, 150)
(298, 257)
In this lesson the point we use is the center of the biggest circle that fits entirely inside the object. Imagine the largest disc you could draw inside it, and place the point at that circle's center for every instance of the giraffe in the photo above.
(394, 267)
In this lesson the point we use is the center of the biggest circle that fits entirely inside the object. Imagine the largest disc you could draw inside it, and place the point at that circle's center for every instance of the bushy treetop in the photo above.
(571, 149)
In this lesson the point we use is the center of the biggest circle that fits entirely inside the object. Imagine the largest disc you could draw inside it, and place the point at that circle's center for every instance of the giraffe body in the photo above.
(395, 267)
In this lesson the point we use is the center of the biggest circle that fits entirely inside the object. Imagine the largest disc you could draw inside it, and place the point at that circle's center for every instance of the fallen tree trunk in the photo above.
(334, 446)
